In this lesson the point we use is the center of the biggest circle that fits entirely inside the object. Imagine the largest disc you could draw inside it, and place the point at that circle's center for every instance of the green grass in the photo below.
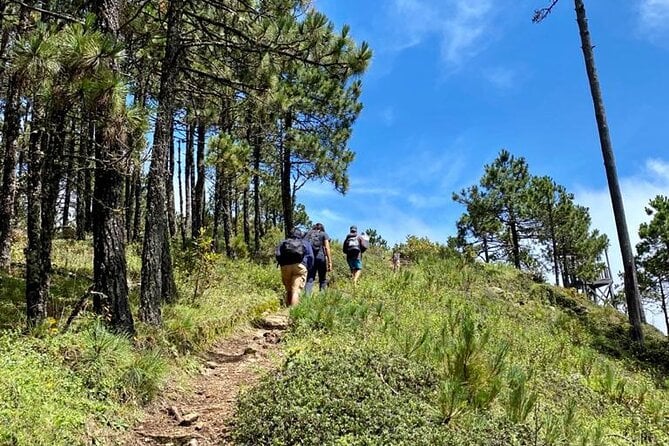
(510, 361)
(64, 389)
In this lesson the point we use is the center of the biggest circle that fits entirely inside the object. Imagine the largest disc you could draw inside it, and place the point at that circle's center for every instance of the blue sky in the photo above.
(454, 81)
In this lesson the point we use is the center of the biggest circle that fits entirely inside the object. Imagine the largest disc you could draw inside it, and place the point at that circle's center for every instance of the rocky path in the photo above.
(201, 414)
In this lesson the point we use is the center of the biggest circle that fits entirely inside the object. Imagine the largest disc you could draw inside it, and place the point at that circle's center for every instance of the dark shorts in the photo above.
(354, 264)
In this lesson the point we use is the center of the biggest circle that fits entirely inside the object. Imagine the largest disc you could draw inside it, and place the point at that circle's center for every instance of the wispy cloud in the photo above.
(460, 25)
(654, 18)
(501, 77)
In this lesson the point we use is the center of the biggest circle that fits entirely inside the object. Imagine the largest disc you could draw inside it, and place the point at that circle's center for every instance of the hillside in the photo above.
(445, 352)
(456, 352)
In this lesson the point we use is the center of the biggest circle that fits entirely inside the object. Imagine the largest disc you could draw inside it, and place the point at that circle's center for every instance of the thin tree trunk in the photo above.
(257, 222)
(51, 176)
(225, 204)
(663, 303)
(217, 208)
(515, 244)
(486, 254)
(245, 217)
(68, 180)
(634, 307)
(10, 133)
(169, 184)
(551, 225)
(188, 177)
(155, 229)
(182, 220)
(88, 177)
(198, 202)
(82, 166)
(35, 296)
(137, 219)
(286, 168)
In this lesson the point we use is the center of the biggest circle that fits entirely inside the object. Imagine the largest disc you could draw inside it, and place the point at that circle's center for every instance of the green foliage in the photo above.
(510, 362)
(529, 221)
(521, 400)
(42, 402)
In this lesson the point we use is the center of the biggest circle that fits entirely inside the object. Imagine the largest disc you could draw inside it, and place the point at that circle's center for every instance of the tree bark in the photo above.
(35, 296)
(82, 167)
(137, 219)
(286, 168)
(198, 202)
(109, 238)
(515, 243)
(10, 134)
(245, 217)
(551, 224)
(88, 178)
(632, 297)
(663, 303)
(52, 170)
(257, 222)
(155, 229)
(188, 177)
(182, 220)
(169, 184)
(65, 221)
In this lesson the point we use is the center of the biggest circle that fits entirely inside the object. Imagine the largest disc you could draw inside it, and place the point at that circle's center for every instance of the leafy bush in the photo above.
(352, 397)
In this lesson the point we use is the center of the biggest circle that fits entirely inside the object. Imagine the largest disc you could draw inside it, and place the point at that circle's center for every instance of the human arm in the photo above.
(328, 256)
(308, 255)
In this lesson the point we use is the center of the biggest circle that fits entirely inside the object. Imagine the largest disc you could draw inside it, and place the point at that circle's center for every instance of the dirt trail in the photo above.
(201, 415)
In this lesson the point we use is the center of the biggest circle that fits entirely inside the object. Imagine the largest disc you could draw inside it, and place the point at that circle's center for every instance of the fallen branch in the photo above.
(81, 303)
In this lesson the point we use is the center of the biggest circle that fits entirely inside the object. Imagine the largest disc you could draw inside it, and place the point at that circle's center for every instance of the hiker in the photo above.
(295, 257)
(320, 243)
(354, 245)
(397, 260)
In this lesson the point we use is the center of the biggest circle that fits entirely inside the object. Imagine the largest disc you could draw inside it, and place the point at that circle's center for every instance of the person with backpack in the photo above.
(397, 261)
(296, 258)
(354, 245)
(320, 242)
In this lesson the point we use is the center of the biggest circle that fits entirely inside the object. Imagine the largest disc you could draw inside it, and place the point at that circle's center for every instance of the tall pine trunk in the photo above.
(109, 238)
(257, 222)
(137, 218)
(198, 202)
(81, 164)
(169, 184)
(632, 297)
(188, 177)
(286, 168)
(67, 194)
(52, 171)
(35, 296)
(10, 136)
(155, 228)
(182, 220)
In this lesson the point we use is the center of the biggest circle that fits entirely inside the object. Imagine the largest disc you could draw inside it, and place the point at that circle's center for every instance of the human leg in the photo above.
(322, 268)
(311, 277)
(298, 280)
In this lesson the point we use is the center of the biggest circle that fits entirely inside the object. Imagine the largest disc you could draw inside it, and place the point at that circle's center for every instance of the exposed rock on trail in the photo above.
(201, 415)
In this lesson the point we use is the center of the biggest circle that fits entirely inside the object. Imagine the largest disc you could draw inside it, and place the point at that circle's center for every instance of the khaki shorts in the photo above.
(294, 277)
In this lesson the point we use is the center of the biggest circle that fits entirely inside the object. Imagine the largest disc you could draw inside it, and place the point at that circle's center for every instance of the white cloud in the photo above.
(461, 25)
(654, 18)
(501, 77)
